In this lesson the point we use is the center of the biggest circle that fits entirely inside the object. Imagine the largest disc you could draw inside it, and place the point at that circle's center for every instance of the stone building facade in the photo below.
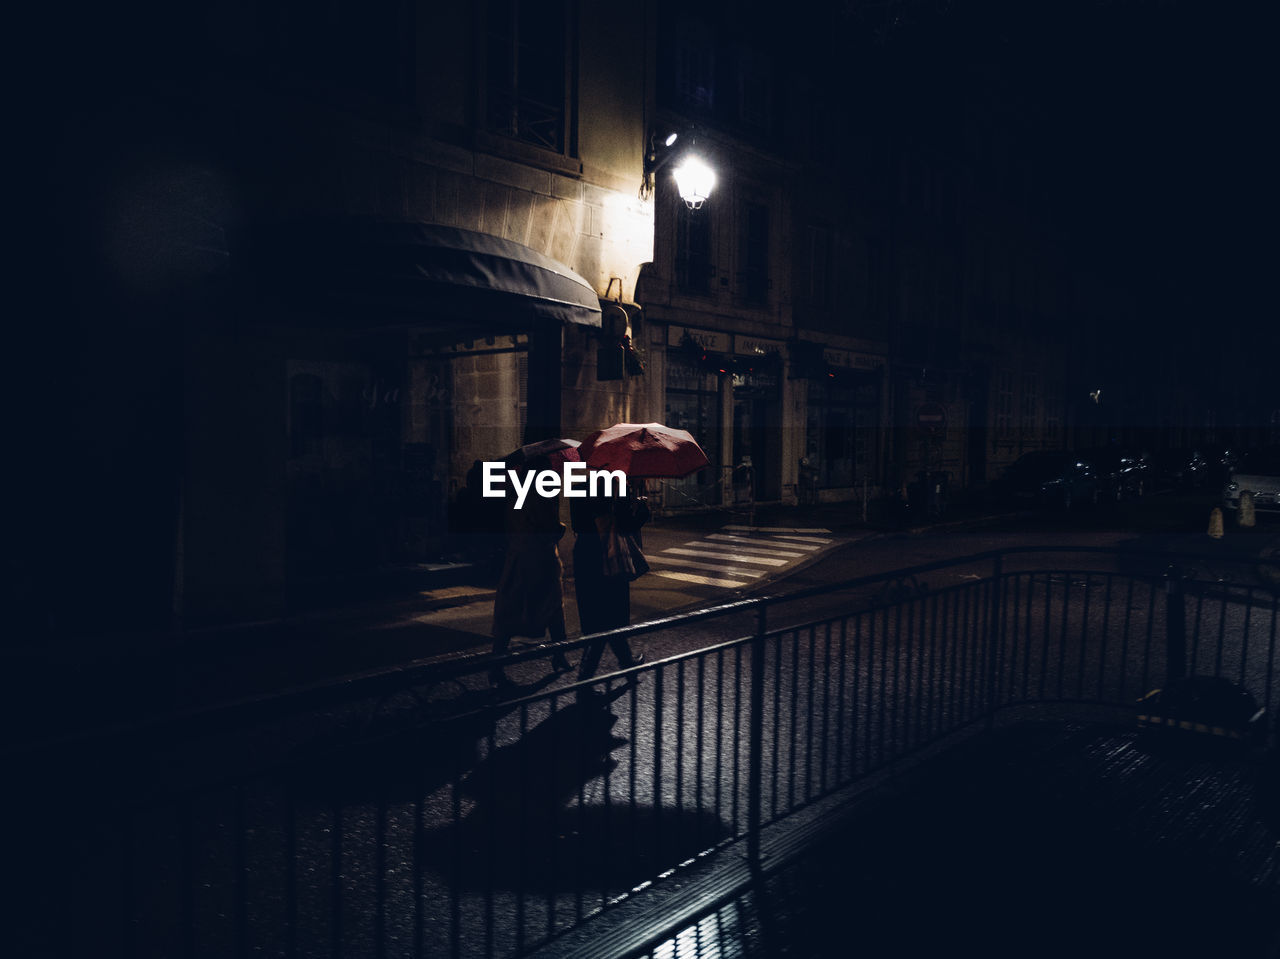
(338, 255)
(383, 241)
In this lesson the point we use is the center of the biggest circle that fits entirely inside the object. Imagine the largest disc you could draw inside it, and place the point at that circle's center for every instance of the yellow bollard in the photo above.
(1245, 516)
(1215, 523)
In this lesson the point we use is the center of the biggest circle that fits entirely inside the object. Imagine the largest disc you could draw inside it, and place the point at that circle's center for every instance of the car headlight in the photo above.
(1232, 487)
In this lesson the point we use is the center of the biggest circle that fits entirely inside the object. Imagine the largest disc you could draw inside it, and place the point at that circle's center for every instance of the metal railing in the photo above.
(439, 822)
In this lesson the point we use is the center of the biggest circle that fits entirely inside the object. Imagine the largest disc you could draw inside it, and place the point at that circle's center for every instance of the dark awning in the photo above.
(423, 275)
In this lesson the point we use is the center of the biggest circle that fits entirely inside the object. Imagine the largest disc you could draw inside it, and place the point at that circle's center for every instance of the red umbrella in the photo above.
(643, 449)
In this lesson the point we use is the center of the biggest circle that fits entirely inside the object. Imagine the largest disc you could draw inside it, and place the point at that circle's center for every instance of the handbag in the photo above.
(622, 555)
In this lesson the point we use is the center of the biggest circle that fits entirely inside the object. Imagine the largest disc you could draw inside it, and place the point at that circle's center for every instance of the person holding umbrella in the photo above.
(607, 549)
(603, 591)
(530, 595)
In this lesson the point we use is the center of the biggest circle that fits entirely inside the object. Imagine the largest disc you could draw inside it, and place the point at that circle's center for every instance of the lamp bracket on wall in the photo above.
(694, 178)
(658, 151)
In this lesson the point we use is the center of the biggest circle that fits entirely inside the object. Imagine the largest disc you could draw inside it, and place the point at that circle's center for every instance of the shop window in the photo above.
(527, 91)
(841, 423)
(832, 453)
(693, 404)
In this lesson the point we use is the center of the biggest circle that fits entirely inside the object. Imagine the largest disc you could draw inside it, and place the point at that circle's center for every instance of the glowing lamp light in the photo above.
(695, 181)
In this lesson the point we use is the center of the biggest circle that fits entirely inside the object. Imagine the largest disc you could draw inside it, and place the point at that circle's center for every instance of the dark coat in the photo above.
(604, 602)
(530, 597)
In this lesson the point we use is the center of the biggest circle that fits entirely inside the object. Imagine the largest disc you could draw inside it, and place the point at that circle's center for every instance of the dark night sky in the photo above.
(1169, 136)
(1148, 125)
(1152, 118)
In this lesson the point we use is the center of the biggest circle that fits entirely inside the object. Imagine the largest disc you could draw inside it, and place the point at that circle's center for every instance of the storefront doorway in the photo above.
(843, 414)
(757, 436)
(693, 404)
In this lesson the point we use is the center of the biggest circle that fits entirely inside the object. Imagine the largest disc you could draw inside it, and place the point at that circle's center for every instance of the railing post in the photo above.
(994, 617)
(1175, 626)
(755, 738)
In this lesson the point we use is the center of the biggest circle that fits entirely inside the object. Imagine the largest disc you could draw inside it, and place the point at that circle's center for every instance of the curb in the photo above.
(965, 523)
(447, 596)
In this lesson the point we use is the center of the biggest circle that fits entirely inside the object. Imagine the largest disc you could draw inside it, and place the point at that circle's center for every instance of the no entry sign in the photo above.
(931, 418)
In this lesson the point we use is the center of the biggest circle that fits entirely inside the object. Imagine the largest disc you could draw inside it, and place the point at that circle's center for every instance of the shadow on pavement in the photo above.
(408, 748)
(540, 822)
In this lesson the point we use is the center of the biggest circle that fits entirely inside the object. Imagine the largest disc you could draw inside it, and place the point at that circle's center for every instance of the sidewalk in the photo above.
(102, 680)
(1048, 839)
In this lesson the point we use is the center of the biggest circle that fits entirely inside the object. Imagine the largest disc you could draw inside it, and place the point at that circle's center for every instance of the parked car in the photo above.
(1120, 474)
(1051, 478)
(1179, 469)
(1220, 462)
(1257, 472)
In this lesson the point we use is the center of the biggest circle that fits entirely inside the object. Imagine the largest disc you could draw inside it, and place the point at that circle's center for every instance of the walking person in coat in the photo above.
(604, 596)
(530, 596)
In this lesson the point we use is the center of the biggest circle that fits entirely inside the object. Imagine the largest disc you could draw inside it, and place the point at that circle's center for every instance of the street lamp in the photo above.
(694, 178)
(695, 181)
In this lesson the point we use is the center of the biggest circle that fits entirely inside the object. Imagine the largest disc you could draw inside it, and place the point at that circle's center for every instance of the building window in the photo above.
(755, 252)
(1004, 405)
(911, 290)
(306, 414)
(695, 64)
(878, 279)
(1030, 404)
(1053, 414)
(818, 289)
(755, 105)
(528, 73)
(693, 251)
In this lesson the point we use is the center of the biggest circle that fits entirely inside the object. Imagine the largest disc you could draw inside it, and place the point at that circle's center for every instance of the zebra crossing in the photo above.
(737, 556)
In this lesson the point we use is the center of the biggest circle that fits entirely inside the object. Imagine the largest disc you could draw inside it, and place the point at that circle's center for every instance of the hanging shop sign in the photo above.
(757, 362)
(710, 340)
(849, 360)
(756, 346)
